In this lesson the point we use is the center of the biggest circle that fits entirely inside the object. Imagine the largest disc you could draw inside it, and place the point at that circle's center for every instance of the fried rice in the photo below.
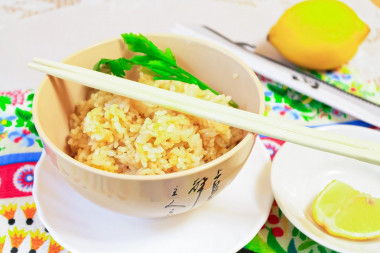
(122, 135)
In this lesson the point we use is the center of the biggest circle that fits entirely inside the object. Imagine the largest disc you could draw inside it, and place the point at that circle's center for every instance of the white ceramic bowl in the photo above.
(148, 196)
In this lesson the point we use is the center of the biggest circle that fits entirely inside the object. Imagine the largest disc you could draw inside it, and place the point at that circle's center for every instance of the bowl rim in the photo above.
(249, 136)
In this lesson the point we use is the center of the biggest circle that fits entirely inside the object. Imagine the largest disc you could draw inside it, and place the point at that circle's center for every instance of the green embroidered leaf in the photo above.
(4, 101)
(315, 73)
(278, 98)
(258, 245)
(32, 128)
(296, 104)
(295, 232)
(278, 90)
(321, 107)
(22, 114)
(306, 245)
(30, 97)
(326, 108)
(39, 143)
(273, 243)
(29, 124)
(20, 123)
(322, 249)
(287, 100)
(302, 236)
(7, 123)
(307, 118)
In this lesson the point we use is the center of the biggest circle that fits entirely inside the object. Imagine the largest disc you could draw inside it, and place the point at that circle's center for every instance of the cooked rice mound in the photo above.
(122, 135)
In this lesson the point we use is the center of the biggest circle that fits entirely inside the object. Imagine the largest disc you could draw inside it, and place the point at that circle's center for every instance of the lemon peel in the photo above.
(318, 34)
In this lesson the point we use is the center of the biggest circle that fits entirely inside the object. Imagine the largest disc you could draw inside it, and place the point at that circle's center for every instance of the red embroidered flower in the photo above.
(277, 232)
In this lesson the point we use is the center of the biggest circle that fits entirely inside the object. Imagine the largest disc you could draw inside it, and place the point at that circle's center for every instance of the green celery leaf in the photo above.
(116, 67)
(139, 43)
(167, 78)
(161, 63)
(142, 59)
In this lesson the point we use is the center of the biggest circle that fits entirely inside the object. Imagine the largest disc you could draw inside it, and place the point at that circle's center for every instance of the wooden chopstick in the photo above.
(280, 129)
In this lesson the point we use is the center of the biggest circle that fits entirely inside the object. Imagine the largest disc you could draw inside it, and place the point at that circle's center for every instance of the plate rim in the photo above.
(293, 218)
(267, 163)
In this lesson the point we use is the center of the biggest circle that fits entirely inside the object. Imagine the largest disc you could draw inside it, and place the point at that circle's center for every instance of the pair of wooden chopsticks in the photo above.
(361, 150)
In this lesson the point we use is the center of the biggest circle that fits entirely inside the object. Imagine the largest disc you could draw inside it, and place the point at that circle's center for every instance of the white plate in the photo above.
(225, 224)
(298, 174)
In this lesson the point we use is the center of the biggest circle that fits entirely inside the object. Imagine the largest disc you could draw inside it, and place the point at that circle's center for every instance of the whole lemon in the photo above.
(318, 34)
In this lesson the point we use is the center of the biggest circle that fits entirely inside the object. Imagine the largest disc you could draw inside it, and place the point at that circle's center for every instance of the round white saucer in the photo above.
(225, 224)
(298, 174)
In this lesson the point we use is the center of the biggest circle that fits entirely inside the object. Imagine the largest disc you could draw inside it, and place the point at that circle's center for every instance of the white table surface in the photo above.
(54, 29)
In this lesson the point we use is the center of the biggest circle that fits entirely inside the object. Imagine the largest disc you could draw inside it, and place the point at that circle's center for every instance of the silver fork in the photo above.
(246, 46)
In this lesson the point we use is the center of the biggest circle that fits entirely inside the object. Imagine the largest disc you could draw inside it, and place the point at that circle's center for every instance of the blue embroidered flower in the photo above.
(286, 110)
(6, 121)
(25, 137)
(23, 178)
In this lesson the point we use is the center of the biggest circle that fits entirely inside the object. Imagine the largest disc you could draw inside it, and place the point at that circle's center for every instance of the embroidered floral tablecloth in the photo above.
(20, 149)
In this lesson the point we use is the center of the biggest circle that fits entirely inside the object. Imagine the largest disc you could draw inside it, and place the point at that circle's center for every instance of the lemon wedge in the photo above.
(318, 34)
(346, 212)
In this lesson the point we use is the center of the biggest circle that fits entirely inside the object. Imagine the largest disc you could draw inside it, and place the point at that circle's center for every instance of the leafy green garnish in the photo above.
(161, 63)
